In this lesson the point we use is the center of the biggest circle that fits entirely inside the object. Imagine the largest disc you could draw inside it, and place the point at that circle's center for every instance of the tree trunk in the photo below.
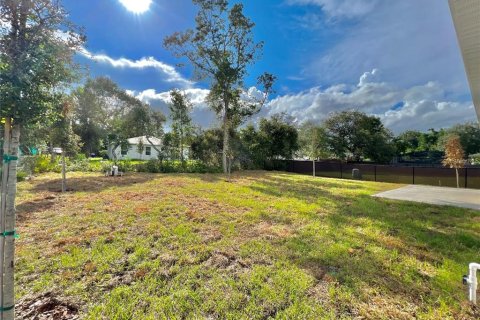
(52, 154)
(64, 173)
(458, 179)
(181, 148)
(155, 148)
(226, 142)
(7, 220)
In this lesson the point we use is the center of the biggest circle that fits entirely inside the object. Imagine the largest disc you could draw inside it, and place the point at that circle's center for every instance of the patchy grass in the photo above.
(263, 246)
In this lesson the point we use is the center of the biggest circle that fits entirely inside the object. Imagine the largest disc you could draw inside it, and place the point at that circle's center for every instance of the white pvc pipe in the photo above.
(472, 281)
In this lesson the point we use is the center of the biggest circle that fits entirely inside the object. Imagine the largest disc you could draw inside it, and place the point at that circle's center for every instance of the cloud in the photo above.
(340, 8)
(196, 96)
(417, 107)
(411, 41)
(201, 115)
(172, 75)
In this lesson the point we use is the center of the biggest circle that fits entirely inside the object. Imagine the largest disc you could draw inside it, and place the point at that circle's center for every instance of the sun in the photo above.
(136, 6)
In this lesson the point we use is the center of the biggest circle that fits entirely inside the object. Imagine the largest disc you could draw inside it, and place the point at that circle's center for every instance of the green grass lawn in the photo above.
(263, 246)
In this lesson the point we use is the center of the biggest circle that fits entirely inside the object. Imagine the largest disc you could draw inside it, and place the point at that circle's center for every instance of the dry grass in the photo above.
(262, 246)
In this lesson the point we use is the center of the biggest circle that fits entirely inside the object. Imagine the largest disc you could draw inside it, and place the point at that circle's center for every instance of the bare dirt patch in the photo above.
(47, 306)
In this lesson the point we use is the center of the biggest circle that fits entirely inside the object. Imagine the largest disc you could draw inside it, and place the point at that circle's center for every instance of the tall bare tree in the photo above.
(221, 49)
(35, 63)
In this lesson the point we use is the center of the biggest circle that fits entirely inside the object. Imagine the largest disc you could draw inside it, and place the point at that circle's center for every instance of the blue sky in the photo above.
(398, 60)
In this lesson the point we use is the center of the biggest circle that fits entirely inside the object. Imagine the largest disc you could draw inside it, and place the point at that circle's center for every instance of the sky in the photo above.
(398, 60)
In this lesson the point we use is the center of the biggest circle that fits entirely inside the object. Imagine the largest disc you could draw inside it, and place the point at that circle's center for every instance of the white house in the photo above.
(139, 148)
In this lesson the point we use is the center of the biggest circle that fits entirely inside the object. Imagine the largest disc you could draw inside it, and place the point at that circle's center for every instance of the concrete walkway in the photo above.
(465, 198)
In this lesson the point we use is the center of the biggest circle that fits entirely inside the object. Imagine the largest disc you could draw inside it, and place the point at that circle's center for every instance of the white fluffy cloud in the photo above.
(201, 114)
(417, 107)
(411, 41)
(195, 95)
(171, 74)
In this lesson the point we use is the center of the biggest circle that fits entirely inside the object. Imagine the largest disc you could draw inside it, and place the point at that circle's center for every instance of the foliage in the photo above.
(313, 141)
(62, 134)
(107, 115)
(475, 159)
(274, 139)
(207, 145)
(222, 48)
(356, 135)
(36, 60)
(190, 166)
(469, 134)
(182, 128)
(454, 154)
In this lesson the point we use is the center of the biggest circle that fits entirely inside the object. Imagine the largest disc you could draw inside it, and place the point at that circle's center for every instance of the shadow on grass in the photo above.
(371, 241)
(281, 185)
(38, 205)
(92, 183)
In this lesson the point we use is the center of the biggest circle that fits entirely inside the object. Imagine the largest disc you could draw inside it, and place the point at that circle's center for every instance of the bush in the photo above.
(21, 176)
(44, 164)
(157, 166)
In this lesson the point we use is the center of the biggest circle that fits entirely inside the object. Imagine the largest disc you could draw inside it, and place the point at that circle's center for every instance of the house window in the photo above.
(124, 151)
(148, 151)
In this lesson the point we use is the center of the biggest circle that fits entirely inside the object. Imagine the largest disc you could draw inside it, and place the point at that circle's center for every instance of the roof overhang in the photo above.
(466, 18)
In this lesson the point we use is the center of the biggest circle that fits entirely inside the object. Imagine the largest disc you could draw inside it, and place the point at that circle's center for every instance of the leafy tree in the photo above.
(253, 147)
(36, 64)
(274, 139)
(408, 141)
(62, 135)
(313, 142)
(182, 127)
(281, 138)
(107, 114)
(221, 48)
(353, 134)
(141, 120)
(169, 147)
(206, 146)
(454, 155)
(429, 141)
(469, 134)
(140, 148)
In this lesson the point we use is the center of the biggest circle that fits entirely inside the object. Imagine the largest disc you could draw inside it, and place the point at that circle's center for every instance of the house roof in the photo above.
(154, 141)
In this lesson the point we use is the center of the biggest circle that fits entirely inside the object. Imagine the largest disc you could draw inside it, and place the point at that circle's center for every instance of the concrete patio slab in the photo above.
(465, 198)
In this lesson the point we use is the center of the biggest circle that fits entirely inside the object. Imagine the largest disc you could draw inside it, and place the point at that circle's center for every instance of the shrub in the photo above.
(21, 175)
(157, 166)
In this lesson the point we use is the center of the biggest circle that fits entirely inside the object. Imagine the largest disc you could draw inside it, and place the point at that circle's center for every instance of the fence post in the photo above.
(413, 174)
(375, 172)
(341, 171)
(466, 178)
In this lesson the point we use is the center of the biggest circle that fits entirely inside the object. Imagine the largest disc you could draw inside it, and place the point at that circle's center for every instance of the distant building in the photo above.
(139, 148)
(466, 18)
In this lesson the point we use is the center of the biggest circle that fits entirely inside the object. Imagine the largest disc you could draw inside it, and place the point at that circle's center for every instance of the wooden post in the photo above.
(314, 168)
(3, 206)
(64, 173)
(7, 219)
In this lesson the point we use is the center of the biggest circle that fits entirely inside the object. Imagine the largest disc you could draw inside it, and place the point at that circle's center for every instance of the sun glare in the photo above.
(136, 6)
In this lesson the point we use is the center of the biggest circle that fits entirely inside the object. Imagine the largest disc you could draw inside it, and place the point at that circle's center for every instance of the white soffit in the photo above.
(466, 18)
